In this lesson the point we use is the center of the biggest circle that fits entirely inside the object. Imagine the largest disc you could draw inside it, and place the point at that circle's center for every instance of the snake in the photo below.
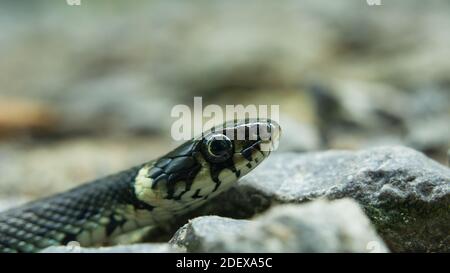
(150, 194)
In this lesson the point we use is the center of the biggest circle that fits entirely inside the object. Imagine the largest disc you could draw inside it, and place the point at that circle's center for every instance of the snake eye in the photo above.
(219, 148)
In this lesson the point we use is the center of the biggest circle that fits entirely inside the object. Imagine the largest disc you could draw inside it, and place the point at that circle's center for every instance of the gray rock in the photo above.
(404, 193)
(427, 121)
(137, 248)
(203, 231)
(356, 114)
(320, 226)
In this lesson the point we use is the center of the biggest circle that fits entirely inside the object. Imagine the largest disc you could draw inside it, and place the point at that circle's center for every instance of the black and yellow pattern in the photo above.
(149, 194)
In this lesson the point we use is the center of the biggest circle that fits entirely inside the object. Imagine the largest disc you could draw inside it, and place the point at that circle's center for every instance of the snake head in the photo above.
(206, 165)
(237, 147)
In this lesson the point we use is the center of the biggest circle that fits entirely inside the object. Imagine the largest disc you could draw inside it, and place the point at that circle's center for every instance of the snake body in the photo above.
(152, 193)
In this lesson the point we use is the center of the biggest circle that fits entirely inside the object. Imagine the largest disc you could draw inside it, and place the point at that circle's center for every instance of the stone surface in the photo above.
(206, 230)
(405, 194)
(137, 248)
(320, 226)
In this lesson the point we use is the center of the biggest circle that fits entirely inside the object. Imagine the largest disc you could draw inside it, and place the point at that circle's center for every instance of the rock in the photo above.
(320, 226)
(137, 248)
(427, 120)
(353, 114)
(205, 230)
(404, 193)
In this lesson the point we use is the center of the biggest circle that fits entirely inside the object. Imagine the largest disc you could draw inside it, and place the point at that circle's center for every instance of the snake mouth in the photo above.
(265, 147)
(266, 135)
(250, 153)
(273, 139)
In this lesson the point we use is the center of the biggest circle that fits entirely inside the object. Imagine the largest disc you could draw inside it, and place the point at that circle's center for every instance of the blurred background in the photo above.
(87, 90)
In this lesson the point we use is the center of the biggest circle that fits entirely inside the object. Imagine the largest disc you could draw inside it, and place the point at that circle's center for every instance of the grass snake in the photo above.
(149, 194)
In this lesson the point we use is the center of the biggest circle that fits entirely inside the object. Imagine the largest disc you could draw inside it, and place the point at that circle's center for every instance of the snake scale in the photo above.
(149, 194)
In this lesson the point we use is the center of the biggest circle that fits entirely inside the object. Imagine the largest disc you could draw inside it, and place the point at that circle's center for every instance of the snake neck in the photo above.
(90, 214)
